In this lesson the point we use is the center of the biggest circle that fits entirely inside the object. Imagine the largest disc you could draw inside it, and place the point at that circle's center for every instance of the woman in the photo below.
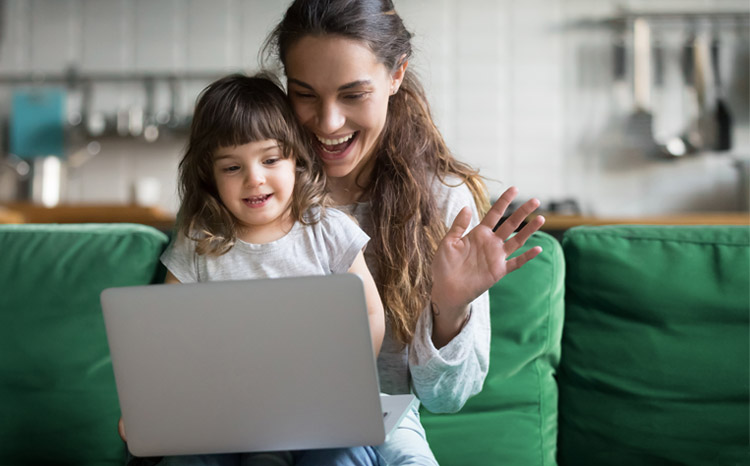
(346, 63)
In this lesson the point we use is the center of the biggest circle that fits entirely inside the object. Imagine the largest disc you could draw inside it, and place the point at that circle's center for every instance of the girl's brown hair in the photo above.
(233, 111)
(409, 159)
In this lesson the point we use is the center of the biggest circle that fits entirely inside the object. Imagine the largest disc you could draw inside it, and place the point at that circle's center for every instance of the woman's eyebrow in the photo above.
(361, 82)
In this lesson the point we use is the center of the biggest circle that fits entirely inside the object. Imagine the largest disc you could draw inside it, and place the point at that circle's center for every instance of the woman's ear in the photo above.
(398, 74)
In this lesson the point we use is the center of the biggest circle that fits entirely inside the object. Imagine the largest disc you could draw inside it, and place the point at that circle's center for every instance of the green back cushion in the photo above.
(513, 421)
(655, 348)
(57, 393)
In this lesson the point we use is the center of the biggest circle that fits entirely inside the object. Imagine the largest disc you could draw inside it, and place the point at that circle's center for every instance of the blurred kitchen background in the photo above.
(606, 108)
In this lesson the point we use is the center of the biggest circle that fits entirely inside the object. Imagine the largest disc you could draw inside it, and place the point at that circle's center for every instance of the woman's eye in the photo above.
(304, 95)
(356, 96)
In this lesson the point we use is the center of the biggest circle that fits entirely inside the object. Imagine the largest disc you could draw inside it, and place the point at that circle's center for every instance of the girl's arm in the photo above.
(375, 313)
(171, 279)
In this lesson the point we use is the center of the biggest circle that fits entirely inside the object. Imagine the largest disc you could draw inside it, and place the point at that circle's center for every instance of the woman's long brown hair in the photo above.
(410, 158)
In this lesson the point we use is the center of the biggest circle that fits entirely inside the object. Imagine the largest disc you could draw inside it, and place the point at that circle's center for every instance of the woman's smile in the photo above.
(335, 149)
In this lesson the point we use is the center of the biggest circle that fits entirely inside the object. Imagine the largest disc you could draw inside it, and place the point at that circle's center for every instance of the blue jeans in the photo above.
(355, 456)
(407, 444)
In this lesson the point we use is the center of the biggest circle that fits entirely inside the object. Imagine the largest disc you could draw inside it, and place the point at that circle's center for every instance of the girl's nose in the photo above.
(330, 118)
(255, 178)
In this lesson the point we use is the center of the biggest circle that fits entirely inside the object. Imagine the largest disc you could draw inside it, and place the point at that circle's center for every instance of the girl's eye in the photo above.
(231, 169)
(271, 161)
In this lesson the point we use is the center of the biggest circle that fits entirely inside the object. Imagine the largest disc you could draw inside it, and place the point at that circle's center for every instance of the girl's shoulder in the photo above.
(327, 215)
(332, 218)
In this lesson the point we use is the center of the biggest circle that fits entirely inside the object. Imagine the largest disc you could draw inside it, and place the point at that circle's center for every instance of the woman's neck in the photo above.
(350, 188)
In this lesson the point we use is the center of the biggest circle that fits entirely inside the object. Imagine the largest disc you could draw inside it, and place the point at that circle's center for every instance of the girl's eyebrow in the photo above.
(360, 82)
(229, 155)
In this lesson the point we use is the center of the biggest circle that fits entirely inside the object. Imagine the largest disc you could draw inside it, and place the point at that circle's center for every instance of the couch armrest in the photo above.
(58, 397)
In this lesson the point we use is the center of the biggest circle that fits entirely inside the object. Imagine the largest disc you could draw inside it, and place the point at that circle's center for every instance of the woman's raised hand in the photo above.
(464, 267)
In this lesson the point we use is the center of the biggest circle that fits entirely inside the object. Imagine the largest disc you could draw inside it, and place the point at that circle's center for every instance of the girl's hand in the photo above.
(121, 430)
(464, 267)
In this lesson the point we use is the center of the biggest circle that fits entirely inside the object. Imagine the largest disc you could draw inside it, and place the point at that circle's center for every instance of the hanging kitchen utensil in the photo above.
(690, 141)
(620, 85)
(723, 139)
(704, 91)
(639, 125)
(151, 125)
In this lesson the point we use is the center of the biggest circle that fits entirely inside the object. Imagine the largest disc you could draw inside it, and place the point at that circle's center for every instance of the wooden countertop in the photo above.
(11, 216)
(157, 217)
(555, 222)
(86, 213)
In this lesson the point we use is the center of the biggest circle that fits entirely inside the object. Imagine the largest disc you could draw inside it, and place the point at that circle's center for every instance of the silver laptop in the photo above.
(253, 365)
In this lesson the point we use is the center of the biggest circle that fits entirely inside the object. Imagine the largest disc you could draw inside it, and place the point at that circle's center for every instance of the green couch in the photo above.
(622, 346)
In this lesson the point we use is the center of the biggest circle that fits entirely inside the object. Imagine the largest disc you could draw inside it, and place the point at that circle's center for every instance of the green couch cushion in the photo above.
(57, 393)
(655, 348)
(513, 421)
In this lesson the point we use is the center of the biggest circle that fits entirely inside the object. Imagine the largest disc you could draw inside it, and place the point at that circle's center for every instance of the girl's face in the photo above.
(255, 182)
(340, 93)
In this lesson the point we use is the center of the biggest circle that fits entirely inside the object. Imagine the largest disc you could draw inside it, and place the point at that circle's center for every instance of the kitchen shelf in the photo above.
(74, 77)
(627, 17)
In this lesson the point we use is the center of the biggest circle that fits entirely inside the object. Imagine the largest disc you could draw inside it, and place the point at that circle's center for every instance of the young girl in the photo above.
(254, 206)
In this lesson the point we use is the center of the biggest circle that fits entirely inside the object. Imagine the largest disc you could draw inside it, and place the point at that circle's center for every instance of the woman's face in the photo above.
(340, 93)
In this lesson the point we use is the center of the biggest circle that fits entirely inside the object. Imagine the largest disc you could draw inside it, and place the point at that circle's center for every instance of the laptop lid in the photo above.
(272, 364)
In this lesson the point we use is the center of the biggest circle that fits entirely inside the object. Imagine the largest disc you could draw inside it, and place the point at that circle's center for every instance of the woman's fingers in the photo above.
(517, 262)
(517, 241)
(498, 209)
(460, 224)
(511, 223)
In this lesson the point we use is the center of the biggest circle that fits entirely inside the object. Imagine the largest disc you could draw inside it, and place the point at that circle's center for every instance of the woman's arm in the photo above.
(468, 264)
(448, 363)
(375, 312)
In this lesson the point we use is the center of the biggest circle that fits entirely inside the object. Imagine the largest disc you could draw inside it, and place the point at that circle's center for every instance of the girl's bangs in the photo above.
(258, 121)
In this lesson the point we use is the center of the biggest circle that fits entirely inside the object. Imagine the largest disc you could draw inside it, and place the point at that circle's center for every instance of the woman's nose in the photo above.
(330, 118)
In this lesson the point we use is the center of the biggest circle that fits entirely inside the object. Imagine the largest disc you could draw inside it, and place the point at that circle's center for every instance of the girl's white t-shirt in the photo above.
(323, 248)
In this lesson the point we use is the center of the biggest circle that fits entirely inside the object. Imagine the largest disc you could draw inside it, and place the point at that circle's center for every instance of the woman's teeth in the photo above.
(333, 142)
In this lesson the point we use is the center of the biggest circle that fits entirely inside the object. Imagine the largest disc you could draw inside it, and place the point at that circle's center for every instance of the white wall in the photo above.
(517, 89)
